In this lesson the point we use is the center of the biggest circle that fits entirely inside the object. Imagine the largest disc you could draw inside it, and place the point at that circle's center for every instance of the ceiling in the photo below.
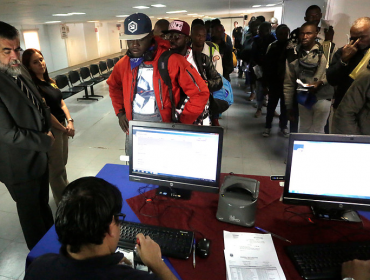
(30, 12)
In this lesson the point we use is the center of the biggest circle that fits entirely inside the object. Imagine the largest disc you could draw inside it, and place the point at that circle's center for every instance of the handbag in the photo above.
(305, 98)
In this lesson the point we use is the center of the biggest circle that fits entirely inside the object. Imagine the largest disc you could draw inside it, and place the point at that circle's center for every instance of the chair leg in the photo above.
(92, 92)
(86, 97)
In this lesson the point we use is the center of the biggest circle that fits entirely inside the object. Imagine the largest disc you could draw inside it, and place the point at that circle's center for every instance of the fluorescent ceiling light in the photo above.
(158, 5)
(53, 21)
(166, 17)
(67, 15)
(256, 6)
(192, 14)
(151, 17)
(159, 18)
(174, 18)
(92, 21)
(176, 12)
(141, 7)
(270, 5)
(122, 16)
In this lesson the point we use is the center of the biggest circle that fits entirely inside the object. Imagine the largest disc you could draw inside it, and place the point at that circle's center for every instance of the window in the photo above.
(31, 39)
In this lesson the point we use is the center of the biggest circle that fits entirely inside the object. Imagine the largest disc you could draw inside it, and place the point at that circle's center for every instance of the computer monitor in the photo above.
(178, 158)
(330, 173)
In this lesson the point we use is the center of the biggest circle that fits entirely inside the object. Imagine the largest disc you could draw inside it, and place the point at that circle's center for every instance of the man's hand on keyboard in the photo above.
(356, 269)
(150, 253)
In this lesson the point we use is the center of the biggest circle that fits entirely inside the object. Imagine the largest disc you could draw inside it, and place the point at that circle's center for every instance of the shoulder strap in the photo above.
(198, 58)
(165, 76)
(211, 48)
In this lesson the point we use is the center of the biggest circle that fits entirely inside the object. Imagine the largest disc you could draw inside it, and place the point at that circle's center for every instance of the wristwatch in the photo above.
(70, 120)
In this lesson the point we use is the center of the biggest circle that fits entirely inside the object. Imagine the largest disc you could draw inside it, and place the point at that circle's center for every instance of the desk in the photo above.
(271, 215)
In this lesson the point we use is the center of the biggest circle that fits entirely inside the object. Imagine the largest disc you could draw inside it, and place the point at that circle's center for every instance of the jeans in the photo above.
(314, 120)
(259, 94)
(271, 107)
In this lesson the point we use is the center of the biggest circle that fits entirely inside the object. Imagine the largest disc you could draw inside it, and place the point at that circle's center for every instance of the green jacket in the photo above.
(353, 113)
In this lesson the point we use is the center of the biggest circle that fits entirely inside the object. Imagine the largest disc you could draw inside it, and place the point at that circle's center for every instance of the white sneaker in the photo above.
(266, 133)
(285, 132)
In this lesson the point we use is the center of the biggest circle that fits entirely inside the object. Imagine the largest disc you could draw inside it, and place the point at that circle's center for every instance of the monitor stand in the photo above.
(336, 214)
(174, 192)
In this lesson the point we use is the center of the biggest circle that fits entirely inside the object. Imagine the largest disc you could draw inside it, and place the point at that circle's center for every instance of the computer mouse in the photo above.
(203, 247)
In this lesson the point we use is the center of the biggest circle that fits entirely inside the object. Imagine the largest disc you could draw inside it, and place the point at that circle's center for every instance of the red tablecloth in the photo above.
(199, 215)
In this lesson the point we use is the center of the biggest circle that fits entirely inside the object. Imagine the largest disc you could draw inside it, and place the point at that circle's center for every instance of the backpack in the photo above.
(220, 100)
(217, 98)
(220, 96)
(163, 72)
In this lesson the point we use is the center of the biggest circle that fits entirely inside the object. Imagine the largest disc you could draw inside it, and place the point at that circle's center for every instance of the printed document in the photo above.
(251, 256)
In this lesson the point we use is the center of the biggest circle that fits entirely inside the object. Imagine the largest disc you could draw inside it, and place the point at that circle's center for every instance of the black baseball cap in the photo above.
(136, 26)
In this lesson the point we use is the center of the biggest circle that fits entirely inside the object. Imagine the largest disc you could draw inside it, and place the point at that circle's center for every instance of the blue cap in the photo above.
(136, 26)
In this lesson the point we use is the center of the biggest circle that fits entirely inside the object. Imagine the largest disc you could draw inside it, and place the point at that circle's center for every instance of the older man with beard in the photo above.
(25, 139)
(346, 59)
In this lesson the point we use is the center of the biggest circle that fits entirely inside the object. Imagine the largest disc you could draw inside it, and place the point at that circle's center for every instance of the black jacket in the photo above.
(338, 74)
(274, 66)
(207, 71)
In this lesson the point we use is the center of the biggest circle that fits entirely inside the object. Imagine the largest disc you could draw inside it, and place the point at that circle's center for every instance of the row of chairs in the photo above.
(77, 81)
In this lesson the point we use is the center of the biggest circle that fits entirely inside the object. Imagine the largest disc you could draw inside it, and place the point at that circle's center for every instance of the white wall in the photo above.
(341, 15)
(76, 44)
(91, 42)
(58, 50)
(294, 11)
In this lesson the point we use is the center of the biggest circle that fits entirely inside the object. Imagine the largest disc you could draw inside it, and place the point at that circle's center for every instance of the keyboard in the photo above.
(324, 261)
(174, 243)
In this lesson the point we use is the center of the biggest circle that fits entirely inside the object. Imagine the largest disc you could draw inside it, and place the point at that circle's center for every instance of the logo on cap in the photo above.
(132, 26)
(176, 25)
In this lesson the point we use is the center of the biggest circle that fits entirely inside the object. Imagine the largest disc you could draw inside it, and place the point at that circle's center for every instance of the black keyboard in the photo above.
(174, 243)
(324, 261)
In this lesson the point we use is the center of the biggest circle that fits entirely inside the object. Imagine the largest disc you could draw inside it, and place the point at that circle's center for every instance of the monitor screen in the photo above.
(176, 155)
(328, 171)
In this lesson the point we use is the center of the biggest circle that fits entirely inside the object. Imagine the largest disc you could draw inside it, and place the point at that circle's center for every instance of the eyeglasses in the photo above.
(120, 216)
(174, 36)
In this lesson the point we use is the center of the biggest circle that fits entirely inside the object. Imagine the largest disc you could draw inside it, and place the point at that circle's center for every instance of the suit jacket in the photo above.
(23, 142)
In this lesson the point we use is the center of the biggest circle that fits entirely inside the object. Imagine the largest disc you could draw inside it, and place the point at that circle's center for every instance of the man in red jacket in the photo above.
(135, 85)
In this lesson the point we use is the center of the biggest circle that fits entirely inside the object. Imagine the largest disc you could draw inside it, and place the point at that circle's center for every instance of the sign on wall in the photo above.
(64, 29)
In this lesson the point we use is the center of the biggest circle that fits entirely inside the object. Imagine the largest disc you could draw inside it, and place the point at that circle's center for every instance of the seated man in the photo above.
(88, 228)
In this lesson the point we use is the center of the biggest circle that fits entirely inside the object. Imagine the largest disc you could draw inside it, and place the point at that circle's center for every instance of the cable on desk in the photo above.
(152, 201)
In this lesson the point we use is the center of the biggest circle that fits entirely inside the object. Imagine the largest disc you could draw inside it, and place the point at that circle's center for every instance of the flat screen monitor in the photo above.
(178, 158)
(330, 173)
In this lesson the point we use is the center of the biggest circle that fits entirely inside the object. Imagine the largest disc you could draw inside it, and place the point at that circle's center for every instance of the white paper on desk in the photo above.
(251, 256)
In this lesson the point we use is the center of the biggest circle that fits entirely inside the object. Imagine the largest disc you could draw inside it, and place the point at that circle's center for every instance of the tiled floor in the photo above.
(99, 140)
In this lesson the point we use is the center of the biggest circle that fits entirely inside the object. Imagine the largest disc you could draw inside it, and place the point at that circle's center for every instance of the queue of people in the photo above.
(293, 69)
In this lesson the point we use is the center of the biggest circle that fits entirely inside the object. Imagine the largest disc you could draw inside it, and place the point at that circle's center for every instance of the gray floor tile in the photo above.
(10, 226)
(7, 204)
(5, 278)
(13, 259)
(3, 244)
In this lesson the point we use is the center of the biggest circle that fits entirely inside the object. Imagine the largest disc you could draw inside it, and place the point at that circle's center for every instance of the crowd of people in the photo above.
(321, 89)
(169, 74)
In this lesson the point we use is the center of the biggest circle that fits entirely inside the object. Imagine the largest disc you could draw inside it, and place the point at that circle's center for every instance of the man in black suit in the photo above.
(25, 139)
